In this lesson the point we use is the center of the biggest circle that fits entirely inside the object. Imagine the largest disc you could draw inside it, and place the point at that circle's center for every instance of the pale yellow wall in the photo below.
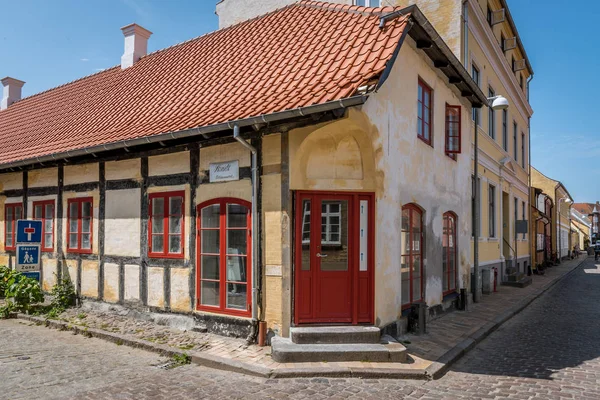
(167, 164)
(124, 169)
(81, 173)
(122, 222)
(42, 177)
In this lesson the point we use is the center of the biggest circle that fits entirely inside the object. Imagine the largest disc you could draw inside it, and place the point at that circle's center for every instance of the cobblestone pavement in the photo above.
(549, 351)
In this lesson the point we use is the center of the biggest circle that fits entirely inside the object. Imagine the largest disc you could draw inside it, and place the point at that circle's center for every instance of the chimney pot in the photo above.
(136, 44)
(11, 91)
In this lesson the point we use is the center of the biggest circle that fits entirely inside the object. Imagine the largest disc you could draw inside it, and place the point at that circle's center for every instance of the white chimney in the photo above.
(136, 44)
(11, 91)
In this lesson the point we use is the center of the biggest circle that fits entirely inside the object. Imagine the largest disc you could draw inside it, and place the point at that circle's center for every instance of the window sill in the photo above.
(428, 143)
(168, 256)
(223, 312)
(75, 251)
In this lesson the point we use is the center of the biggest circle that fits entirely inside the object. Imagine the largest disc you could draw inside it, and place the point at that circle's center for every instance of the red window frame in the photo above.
(48, 247)
(13, 223)
(166, 196)
(449, 237)
(223, 281)
(425, 109)
(457, 136)
(79, 201)
(414, 212)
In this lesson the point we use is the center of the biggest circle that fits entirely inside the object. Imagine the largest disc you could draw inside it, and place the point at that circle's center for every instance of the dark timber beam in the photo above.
(423, 44)
(455, 80)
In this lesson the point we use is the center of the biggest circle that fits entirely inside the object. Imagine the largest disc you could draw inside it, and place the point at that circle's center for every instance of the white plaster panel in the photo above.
(42, 177)
(89, 278)
(82, 173)
(111, 282)
(132, 282)
(11, 181)
(166, 164)
(70, 272)
(122, 222)
(49, 272)
(222, 153)
(273, 270)
(180, 289)
(124, 169)
(156, 281)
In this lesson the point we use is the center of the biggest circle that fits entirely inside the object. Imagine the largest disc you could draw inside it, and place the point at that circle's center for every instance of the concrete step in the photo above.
(335, 334)
(283, 350)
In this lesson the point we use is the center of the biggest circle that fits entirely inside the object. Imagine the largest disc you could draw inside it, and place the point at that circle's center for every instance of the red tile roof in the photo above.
(585, 208)
(307, 53)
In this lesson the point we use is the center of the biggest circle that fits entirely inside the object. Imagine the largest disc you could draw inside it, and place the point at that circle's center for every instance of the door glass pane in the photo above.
(158, 206)
(209, 293)
(236, 269)
(210, 241)
(158, 244)
(86, 209)
(175, 205)
(37, 212)
(237, 216)
(210, 267)
(175, 244)
(416, 289)
(236, 296)
(210, 216)
(334, 245)
(305, 236)
(405, 276)
(85, 241)
(236, 241)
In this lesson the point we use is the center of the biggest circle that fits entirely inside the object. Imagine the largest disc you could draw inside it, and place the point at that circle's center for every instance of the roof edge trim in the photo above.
(197, 131)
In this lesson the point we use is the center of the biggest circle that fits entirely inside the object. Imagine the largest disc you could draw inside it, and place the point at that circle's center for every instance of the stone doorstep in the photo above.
(335, 334)
(283, 350)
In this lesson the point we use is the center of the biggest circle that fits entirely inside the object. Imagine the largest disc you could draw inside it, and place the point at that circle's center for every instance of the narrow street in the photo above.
(549, 351)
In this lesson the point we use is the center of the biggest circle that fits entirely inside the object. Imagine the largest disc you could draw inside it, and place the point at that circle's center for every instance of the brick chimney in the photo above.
(136, 44)
(11, 91)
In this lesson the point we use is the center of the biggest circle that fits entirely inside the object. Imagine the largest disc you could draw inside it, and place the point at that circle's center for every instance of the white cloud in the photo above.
(85, 59)
(99, 69)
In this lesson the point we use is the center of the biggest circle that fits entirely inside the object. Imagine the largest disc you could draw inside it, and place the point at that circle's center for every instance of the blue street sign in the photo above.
(34, 275)
(28, 258)
(29, 231)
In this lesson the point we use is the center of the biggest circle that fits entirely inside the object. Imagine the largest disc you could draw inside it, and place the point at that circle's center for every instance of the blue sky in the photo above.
(48, 43)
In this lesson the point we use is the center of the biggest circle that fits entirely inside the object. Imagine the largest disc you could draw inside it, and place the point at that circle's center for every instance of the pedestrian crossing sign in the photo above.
(28, 258)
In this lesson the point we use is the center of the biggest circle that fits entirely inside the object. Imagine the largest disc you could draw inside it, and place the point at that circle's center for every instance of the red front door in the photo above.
(333, 263)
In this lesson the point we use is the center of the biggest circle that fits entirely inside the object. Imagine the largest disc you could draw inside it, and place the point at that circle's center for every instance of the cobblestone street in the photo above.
(549, 351)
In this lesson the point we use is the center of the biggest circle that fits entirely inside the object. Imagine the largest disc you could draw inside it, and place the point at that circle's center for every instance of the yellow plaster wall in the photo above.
(124, 169)
(81, 173)
(167, 164)
(111, 282)
(223, 153)
(89, 278)
(42, 177)
(156, 293)
(241, 189)
(11, 181)
(180, 289)
(49, 271)
(132, 282)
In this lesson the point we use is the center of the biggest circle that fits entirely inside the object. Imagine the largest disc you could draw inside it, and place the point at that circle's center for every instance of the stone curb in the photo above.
(439, 368)
(435, 371)
(226, 364)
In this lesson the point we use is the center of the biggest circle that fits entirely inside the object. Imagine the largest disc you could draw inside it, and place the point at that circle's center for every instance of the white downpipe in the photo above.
(255, 255)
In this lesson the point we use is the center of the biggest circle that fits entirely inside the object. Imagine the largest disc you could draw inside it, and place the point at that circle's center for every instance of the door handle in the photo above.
(321, 255)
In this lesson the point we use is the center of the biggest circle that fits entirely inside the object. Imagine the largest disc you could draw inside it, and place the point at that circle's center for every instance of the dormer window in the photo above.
(368, 3)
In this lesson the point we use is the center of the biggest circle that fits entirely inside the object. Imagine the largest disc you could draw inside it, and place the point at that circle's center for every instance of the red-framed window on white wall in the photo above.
(12, 212)
(224, 255)
(412, 255)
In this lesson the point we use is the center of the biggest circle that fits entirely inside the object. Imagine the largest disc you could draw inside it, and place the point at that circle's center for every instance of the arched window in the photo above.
(449, 256)
(412, 255)
(224, 256)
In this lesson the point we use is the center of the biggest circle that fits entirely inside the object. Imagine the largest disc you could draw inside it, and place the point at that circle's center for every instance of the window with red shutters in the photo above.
(44, 211)
(79, 227)
(449, 256)
(424, 113)
(166, 225)
(224, 256)
(453, 131)
(12, 212)
(411, 255)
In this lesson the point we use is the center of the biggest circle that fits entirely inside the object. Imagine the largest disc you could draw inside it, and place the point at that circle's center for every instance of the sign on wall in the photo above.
(28, 258)
(225, 171)
(29, 231)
